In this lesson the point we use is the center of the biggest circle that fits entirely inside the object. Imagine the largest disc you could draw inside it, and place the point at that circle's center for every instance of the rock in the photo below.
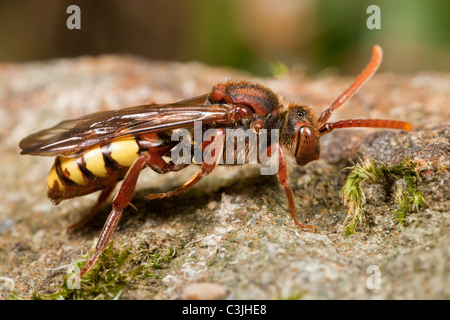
(204, 291)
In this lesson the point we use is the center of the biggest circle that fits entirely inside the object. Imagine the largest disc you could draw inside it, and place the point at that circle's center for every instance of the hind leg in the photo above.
(121, 200)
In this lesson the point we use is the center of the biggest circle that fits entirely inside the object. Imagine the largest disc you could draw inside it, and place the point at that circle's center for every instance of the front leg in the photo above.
(283, 178)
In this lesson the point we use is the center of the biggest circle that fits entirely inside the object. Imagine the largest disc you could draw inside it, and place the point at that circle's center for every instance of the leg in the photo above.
(156, 163)
(104, 195)
(215, 150)
(159, 165)
(283, 177)
(204, 171)
(121, 200)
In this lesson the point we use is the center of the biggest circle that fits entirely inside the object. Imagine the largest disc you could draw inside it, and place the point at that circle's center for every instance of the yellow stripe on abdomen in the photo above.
(124, 151)
(53, 182)
(95, 163)
(70, 167)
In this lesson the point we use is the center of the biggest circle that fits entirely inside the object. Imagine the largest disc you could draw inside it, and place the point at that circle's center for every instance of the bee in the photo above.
(97, 151)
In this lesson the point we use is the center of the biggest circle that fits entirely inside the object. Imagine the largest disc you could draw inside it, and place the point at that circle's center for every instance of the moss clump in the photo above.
(403, 176)
(353, 193)
(408, 198)
(293, 295)
(13, 296)
(116, 270)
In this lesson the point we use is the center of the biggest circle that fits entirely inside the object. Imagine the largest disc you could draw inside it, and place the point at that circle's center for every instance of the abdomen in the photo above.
(94, 169)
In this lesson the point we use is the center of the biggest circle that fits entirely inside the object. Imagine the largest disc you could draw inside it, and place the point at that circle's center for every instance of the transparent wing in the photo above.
(72, 137)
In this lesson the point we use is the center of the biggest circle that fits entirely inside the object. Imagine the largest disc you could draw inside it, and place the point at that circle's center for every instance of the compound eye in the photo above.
(307, 149)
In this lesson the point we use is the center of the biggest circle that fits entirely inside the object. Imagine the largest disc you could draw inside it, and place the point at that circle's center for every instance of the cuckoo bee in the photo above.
(95, 152)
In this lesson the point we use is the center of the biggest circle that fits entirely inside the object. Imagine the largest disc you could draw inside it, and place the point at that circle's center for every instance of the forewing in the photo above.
(71, 137)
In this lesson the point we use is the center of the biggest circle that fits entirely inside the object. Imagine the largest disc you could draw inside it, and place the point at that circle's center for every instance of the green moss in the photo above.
(407, 197)
(403, 176)
(353, 193)
(293, 295)
(117, 270)
(13, 296)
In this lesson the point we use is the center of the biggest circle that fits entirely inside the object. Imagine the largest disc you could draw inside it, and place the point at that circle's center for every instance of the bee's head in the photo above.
(300, 135)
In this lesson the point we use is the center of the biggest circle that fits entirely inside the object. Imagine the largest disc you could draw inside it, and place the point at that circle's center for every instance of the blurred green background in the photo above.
(261, 36)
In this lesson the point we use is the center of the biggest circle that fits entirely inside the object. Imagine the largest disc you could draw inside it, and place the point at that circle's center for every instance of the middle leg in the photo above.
(214, 151)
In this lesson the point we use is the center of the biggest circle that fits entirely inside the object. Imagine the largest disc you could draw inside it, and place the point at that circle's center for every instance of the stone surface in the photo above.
(234, 226)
